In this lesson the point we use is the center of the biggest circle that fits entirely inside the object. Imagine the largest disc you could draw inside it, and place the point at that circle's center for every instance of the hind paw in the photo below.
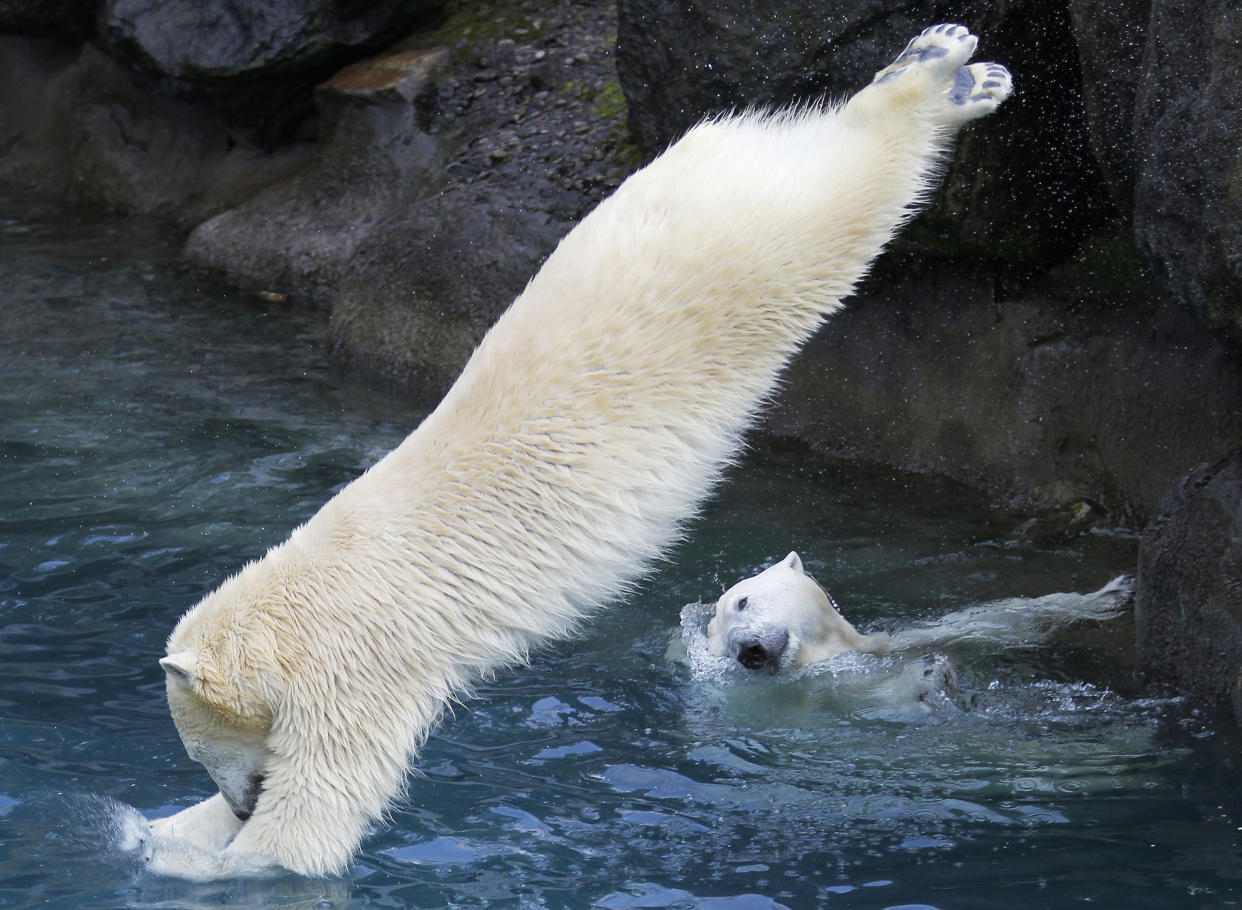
(931, 76)
(978, 90)
(938, 50)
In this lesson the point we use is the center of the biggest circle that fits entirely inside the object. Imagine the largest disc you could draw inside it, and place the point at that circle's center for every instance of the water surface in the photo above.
(159, 428)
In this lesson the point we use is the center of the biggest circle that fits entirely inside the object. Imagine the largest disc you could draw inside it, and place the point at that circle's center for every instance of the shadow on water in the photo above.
(158, 429)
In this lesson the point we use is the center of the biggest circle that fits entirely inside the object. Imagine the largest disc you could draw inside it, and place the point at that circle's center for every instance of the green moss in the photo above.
(609, 102)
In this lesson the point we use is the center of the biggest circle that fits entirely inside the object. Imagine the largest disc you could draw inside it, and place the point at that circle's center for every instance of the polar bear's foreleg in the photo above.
(208, 825)
(190, 843)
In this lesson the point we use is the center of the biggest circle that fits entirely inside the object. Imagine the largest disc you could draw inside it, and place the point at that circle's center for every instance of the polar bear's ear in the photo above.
(182, 665)
(793, 561)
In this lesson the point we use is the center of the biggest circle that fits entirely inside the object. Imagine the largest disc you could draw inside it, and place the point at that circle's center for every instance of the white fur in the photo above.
(1019, 621)
(783, 604)
(588, 425)
(784, 618)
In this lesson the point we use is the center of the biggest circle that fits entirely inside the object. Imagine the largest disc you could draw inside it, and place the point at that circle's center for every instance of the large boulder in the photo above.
(77, 126)
(426, 288)
(298, 236)
(1073, 395)
(679, 62)
(254, 62)
(1111, 36)
(1188, 607)
(1031, 191)
(1188, 117)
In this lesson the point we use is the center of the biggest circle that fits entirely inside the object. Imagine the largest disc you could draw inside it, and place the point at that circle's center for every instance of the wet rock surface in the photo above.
(1188, 610)
(1047, 399)
(1188, 198)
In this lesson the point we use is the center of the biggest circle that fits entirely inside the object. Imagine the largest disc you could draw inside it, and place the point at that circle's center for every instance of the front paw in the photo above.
(134, 834)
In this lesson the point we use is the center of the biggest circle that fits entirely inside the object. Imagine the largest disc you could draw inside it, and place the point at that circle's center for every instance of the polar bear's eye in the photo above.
(741, 604)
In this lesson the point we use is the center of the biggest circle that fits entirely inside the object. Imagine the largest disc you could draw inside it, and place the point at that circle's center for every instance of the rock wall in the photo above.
(76, 125)
(1052, 400)
(1188, 194)
(1188, 609)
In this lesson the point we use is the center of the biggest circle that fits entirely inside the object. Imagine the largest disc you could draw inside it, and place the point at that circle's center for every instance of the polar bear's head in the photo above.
(223, 674)
(231, 745)
(781, 619)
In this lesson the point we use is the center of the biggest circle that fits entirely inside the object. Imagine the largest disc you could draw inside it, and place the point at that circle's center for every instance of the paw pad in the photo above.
(932, 71)
(982, 84)
(944, 46)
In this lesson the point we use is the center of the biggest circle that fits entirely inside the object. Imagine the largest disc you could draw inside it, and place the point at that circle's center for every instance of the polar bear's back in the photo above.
(605, 401)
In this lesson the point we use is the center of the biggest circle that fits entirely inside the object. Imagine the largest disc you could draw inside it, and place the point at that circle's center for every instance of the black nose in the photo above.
(254, 786)
(761, 648)
(753, 656)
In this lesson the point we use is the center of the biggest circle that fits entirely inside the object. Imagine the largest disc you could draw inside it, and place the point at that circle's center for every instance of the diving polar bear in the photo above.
(592, 419)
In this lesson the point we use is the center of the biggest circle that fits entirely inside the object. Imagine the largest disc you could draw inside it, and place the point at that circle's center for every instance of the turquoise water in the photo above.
(158, 428)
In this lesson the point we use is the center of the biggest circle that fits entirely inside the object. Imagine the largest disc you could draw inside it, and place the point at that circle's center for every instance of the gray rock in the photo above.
(255, 62)
(1044, 401)
(1031, 191)
(426, 288)
(299, 236)
(1188, 609)
(680, 62)
(77, 127)
(1188, 199)
(1111, 37)
(63, 18)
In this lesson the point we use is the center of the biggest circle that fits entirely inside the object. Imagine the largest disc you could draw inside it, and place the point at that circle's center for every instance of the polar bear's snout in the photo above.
(236, 769)
(249, 797)
(234, 751)
(759, 647)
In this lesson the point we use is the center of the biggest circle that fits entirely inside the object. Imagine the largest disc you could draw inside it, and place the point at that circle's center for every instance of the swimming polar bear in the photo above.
(781, 619)
(591, 421)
